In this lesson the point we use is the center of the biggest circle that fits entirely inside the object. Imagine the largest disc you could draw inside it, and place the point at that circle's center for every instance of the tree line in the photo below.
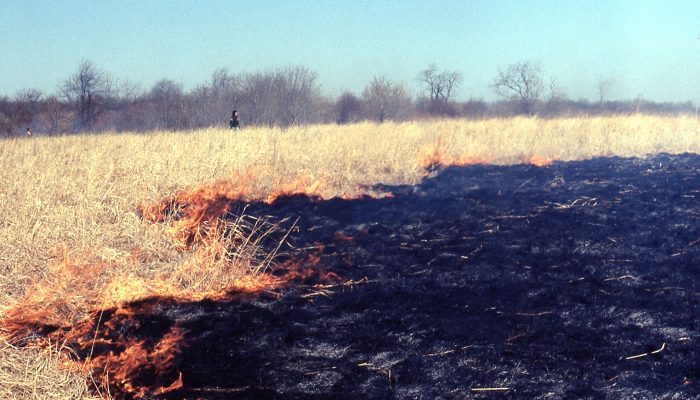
(91, 100)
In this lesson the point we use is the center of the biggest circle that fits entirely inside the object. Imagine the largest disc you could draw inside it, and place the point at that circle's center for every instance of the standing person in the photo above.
(233, 122)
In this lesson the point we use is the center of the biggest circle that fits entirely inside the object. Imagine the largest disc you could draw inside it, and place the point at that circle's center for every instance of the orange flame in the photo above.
(173, 386)
(435, 156)
(129, 363)
(196, 213)
(306, 184)
(541, 161)
(308, 270)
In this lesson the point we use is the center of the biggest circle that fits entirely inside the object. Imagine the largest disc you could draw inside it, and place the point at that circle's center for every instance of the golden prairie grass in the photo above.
(71, 229)
(34, 373)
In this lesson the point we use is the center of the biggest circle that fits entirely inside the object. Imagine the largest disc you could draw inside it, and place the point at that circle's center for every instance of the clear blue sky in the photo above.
(649, 48)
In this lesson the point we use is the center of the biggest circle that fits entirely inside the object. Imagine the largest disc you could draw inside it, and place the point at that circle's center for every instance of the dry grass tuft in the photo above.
(34, 373)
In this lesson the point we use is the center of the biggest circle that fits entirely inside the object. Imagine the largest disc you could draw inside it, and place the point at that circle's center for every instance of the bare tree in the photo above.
(258, 98)
(167, 98)
(27, 104)
(127, 91)
(439, 86)
(89, 90)
(30, 96)
(18, 114)
(603, 85)
(223, 95)
(200, 111)
(56, 115)
(211, 104)
(348, 108)
(521, 83)
(296, 93)
(6, 124)
(385, 100)
(222, 81)
(556, 98)
(556, 92)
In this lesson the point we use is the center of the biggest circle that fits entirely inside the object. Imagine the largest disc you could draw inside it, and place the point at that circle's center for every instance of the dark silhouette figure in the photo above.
(233, 122)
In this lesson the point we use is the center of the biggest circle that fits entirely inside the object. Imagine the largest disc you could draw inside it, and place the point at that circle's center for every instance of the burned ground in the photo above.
(576, 280)
(540, 280)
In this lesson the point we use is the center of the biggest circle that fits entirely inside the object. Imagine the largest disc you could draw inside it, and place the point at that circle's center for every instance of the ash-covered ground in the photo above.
(579, 280)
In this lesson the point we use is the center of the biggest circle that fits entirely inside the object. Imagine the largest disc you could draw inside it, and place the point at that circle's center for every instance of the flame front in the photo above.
(137, 355)
(107, 314)
(436, 155)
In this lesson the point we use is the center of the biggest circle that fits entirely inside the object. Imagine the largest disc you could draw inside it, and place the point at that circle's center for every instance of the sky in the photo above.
(648, 49)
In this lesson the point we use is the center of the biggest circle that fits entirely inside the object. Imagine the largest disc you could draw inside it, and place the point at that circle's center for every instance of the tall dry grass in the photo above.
(41, 373)
(69, 217)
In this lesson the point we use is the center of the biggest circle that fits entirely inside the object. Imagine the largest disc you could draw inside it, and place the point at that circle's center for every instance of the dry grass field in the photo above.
(76, 212)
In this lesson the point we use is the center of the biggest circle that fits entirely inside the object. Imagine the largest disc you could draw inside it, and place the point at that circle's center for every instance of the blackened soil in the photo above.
(538, 281)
